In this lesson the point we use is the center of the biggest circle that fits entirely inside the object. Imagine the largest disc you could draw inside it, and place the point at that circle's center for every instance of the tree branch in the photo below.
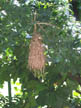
(44, 23)
(47, 24)
(42, 28)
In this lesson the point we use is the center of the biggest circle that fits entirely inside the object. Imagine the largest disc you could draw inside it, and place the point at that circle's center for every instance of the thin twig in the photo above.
(42, 28)
(43, 23)
(35, 20)
(47, 24)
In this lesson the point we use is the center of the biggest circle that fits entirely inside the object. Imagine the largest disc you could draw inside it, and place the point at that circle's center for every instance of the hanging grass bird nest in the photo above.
(36, 59)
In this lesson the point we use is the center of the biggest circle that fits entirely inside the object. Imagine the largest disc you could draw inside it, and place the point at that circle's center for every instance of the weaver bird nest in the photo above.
(36, 59)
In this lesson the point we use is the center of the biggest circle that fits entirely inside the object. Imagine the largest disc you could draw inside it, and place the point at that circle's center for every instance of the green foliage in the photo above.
(76, 5)
(61, 35)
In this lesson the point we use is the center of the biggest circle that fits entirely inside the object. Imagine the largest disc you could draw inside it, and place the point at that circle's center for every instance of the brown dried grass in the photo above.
(36, 59)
